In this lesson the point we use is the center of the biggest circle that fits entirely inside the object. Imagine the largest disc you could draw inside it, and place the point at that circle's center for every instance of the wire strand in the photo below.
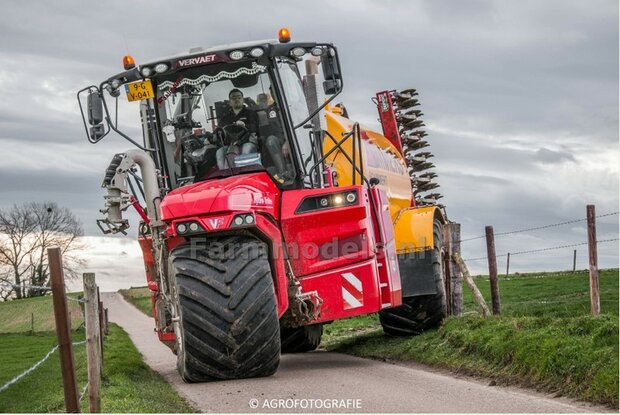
(34, 367)
(30, 287)
(84, 391)
(539, 227)
(542, 249)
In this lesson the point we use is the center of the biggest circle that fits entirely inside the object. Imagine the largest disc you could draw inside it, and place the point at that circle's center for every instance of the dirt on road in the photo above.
(332, 382)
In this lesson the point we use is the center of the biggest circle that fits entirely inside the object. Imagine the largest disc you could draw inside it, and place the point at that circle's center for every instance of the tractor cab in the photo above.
(225, 111)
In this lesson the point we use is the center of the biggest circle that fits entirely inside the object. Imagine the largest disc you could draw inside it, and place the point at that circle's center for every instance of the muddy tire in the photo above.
(301, 339)
(227, 310)
(420, 313)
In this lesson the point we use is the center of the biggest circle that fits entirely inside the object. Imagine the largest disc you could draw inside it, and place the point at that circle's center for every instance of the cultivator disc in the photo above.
(410, 124)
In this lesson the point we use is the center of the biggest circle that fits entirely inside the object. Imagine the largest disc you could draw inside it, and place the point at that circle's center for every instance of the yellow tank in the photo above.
(413, 226)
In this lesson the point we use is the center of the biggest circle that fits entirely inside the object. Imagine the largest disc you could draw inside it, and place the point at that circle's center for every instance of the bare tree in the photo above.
(26, 232)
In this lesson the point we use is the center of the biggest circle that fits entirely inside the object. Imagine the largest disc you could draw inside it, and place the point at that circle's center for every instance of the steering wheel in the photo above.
(234, 132)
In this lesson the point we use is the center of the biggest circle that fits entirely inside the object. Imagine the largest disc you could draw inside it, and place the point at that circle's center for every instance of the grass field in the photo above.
(22, 315)
(128, 385)
(548, 294)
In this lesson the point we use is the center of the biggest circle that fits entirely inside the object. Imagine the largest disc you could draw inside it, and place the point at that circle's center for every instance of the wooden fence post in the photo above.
(508, 264)
(492, 270)
(456, 275)
(595, 301)
(447, 260)
(63, 331)
(105, 321)
(574, 260)
(472, 285)
(92, 342)
(100, 315)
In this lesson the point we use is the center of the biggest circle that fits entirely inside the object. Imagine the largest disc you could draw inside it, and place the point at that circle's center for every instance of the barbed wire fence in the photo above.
(553, 225)
(532, 251)
(96, 328)
(458, 267)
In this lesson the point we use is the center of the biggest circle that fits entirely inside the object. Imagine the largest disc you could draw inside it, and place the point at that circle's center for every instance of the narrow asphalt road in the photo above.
(332, 382)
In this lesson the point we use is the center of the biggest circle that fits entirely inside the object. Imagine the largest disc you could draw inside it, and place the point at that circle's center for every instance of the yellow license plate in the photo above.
(139, 91)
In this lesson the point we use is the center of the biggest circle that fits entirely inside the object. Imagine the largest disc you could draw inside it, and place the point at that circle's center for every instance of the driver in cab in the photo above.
(240, 127)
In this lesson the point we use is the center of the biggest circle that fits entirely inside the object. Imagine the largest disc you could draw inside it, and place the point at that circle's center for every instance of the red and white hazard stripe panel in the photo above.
(352, 291)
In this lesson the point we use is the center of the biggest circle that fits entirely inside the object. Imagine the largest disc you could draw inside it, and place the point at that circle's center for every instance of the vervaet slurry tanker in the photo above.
(265, 211)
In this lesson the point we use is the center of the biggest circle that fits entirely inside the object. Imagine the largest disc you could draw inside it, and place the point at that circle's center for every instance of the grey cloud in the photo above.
(546, 156)
(44, 182)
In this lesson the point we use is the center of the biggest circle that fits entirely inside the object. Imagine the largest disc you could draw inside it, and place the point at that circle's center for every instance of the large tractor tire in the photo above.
(301, 339)
(226, 303)
(420, 313)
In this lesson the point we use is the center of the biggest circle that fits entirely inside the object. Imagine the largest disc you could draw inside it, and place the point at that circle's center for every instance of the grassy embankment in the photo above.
(128, 384)
(545, 337)
(140, 297)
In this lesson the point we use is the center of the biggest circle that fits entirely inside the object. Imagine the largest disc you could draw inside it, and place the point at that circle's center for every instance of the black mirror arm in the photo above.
(113, 127)
(316, 111)
(126, 137)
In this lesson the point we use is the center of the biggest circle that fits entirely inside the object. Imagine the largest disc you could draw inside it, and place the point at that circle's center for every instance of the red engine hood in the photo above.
(249, 192)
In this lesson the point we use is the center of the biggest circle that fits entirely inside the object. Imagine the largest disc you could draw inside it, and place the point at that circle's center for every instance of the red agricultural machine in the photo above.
(265, 211)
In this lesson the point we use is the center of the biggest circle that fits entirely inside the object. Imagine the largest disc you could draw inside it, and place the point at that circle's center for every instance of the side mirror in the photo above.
(94, 106)
(331, 73)
(331, 87)
(96, 132)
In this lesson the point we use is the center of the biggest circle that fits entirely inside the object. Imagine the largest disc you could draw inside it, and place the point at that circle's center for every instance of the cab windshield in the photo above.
(219, 120)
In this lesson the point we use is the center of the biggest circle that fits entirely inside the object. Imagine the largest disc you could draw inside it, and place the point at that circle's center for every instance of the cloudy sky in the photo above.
(520, 100)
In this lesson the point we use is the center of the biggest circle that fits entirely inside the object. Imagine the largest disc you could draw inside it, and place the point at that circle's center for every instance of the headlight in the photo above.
(188, 228)
(257, 52)
(298, 52)
(317, 51)
(146, 72)
(244, 219)
(161, 68)
(236, 55)
(328, 201)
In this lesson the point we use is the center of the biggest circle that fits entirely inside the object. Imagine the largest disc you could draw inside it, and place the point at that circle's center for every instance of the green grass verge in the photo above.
(128, 385)
(544, 339)
(139, 297)
(576, 357)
